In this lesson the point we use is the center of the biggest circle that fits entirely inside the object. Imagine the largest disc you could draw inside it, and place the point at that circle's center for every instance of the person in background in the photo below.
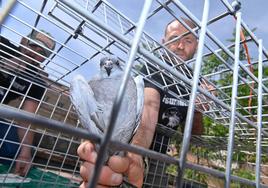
(159, 107)
(21, 78)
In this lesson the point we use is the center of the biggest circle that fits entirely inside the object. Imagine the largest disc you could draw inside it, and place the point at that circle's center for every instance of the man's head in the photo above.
(38, 42)
(186, 45)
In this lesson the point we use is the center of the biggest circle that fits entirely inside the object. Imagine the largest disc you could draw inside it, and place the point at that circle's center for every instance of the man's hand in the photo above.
(135, 171)
(210, 88)
(23, 163)
(112, 173)
(202, 101)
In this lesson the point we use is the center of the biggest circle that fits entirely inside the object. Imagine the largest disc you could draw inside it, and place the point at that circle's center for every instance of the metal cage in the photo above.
(232, 151)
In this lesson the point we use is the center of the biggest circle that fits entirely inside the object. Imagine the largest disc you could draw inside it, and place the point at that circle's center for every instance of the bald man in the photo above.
(159, 108)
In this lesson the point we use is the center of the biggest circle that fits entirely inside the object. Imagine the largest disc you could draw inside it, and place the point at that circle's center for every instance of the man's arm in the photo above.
(25, 154)
(5, 51)
(146, 130)
(144, 135)
(132, 164)
(198, 128)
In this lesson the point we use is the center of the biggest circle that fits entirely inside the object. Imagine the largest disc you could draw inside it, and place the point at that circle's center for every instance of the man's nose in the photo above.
(30, 53)
(180, 45)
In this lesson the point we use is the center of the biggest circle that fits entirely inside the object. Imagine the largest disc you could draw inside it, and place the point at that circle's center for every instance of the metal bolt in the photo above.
(236, 5)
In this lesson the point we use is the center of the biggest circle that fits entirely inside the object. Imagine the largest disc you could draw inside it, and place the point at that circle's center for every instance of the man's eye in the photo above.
(173, 37)
(189, 41)
(42, 52)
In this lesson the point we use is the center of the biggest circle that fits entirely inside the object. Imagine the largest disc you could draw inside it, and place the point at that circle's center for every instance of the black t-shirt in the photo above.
(5, 51)
(18, 84)
(172, 112)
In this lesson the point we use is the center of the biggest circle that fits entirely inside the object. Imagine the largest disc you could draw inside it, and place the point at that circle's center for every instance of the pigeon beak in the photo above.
(108, 70)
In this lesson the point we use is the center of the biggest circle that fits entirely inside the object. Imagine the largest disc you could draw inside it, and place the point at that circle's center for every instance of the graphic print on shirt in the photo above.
(173, 116)
(173, 113)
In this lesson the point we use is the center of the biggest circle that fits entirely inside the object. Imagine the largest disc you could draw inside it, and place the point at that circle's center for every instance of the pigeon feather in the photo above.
(94, 100)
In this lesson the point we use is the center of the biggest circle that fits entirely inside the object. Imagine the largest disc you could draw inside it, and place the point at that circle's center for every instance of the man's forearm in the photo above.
(145, 133)
(25, 136)
(146, 130)
(197, 128)
(143, 138)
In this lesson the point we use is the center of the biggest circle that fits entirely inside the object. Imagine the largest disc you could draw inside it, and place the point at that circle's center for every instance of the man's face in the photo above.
(185, 46)
(38, 50)
(35, 48)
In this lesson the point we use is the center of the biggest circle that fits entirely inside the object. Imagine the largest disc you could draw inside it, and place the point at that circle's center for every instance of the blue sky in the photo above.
(254, 13)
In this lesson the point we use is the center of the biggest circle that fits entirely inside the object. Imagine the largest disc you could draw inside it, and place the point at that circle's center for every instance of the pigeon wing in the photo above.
(105, 91)
(86, 106)
(140, 100)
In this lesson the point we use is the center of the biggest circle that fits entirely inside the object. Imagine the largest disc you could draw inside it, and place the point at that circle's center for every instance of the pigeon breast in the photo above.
(105, 91)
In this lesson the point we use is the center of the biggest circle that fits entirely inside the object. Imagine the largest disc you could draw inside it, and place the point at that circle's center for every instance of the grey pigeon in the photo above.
(93, 101)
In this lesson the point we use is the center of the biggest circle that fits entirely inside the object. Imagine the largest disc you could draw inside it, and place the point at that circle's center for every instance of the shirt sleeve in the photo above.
(38, 85)
(36, 91)
(5, 51)
(156, 77)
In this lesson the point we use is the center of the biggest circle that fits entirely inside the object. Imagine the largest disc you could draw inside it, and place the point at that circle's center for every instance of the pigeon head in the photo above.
(109, 65)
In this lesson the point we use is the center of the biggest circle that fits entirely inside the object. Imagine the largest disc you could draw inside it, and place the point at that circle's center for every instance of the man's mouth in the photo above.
(180, 55)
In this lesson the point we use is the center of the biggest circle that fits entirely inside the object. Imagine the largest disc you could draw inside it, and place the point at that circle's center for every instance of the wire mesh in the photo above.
(87, 30)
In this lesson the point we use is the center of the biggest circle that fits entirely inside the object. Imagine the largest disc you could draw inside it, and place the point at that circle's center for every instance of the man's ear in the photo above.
(163, 41)
(196, 46)
(23, 42)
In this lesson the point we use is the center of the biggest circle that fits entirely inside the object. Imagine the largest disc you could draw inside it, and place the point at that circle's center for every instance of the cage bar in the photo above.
(231, 151)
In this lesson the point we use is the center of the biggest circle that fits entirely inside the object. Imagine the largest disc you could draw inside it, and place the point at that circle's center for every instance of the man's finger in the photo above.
(85, 170)
(107, 176)
(26, 169)
(86, 151)
(135, 176)
(83, 185)
(118, 164)
(19, 169)
(135, 170)
(86, 184)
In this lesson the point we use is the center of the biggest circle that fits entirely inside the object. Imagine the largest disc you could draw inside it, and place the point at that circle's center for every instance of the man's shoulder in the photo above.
(35, 77)
(7, 48)
(5, 41)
